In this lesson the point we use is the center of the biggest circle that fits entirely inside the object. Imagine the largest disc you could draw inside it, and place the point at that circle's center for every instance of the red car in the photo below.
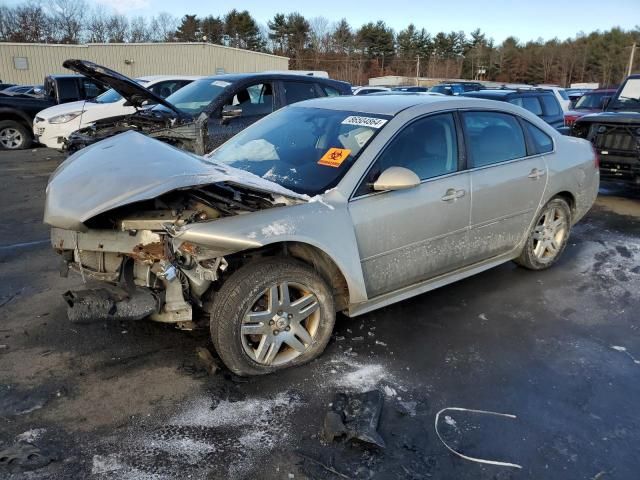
(591, 102)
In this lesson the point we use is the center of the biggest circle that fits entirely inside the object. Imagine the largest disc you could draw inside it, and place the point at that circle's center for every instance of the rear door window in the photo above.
(528, 103)
(91, 90)
(68, 90)
(298, 91)
(493, 137)
(551, 105)
(330, 91)
(542, 143)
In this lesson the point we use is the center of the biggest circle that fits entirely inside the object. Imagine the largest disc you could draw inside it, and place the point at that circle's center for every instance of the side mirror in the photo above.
(396, 178)
(230, 112)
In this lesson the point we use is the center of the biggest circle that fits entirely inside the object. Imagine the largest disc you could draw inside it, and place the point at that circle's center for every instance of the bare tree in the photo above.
(138, 30)
(118, 28)
(25, 23)
(68, 19)
(163, 27)
(98, 26)
(319, 38)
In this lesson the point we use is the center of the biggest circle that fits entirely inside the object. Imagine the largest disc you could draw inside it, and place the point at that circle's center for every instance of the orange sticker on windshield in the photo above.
(334, 157)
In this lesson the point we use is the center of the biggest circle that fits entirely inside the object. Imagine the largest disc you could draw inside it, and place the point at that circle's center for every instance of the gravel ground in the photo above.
(558, 349)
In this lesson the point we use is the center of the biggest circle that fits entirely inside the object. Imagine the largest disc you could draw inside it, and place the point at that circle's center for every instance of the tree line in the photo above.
(349, 53)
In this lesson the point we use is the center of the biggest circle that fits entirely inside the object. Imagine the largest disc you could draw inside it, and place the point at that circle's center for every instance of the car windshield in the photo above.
(111, 95)
(629, 96)
(196, 96)
(306, 150)
(591, 101)
(440, 88)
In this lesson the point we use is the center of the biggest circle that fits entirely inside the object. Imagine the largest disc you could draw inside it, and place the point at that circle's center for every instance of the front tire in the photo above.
(548, 237)
(14, 136)
(271, 314)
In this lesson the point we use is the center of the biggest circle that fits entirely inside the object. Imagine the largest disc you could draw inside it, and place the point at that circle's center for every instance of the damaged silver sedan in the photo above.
(345, 205)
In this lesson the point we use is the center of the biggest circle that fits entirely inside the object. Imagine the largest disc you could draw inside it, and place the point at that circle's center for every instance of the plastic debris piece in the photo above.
(360, 415)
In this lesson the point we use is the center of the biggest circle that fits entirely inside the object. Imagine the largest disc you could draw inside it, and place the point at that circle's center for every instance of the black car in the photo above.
(615, 133)
(17, 111)
(542, 103)
(205, 113)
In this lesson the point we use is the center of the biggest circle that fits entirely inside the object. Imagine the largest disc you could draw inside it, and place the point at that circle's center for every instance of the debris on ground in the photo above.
(206, 360)
(450, 421)
(22, 457)
(328, 468)
(357, 416)
(618, 348)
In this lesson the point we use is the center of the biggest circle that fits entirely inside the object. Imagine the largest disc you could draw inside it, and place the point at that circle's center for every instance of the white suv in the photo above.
(53, 125)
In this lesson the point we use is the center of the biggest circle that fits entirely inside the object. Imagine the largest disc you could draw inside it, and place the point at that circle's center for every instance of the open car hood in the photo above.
(129, 168)
(131, 90)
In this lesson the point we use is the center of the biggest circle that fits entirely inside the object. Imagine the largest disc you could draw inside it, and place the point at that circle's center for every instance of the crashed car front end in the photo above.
(117, 209)
(182, 132)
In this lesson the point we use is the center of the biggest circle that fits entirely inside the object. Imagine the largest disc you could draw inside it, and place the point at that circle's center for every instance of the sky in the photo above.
(526, 20)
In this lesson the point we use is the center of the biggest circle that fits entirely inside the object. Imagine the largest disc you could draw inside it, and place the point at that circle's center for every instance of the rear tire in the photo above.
(271, 314)
(548, 237)
(14, 136)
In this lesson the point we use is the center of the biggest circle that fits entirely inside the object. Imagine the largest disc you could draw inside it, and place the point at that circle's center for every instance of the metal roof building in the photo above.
(28, 63)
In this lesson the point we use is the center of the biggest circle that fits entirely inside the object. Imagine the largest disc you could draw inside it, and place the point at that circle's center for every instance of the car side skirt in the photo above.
(428, 285)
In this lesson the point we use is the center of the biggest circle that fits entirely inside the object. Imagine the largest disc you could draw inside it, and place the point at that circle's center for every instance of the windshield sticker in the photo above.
(371, 122)
(220, 83)
(334, 157)
(363, 137)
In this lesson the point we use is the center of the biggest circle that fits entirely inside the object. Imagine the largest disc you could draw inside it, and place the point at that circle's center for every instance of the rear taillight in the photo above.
(568, 120)
(596, 158)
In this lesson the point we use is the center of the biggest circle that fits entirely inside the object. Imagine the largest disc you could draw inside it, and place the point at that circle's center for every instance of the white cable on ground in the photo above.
(472, 459)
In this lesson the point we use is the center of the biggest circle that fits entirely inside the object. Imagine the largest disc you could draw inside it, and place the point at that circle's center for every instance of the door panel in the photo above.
(410, 235)
(506, 184)
(505, 198)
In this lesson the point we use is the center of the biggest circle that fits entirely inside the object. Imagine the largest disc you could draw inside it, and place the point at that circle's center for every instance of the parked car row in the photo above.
(53, 126)
(17, 112)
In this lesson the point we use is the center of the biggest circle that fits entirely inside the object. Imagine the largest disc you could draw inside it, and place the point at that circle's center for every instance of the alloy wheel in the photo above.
(281, 324)
(550, 234)
(11, 138)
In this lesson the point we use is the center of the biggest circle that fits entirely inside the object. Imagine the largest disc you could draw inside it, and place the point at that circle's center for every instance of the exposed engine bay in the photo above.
(132, 249)
(182, 132)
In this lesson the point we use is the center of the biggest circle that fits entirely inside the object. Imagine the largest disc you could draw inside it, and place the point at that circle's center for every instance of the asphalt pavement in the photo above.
(558, 350)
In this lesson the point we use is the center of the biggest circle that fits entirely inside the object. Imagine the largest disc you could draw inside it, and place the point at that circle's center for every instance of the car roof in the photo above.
(159, 78)
(234, 77)
(376, 104)
(504, 92)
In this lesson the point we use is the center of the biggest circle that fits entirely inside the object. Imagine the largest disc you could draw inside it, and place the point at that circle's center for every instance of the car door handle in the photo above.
(452, 194)
(535, 174)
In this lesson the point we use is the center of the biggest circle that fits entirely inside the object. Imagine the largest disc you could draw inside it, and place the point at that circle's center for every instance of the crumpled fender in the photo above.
(326, 226)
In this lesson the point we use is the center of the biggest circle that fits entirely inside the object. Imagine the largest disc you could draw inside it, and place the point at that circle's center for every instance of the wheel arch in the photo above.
(319, 260)
(16, 116)
(568, 197)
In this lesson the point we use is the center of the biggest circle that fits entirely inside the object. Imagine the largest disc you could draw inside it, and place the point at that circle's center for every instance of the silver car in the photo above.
(344, 204)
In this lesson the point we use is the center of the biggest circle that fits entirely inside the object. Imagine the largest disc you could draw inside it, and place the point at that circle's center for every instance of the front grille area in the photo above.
(617, 137)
